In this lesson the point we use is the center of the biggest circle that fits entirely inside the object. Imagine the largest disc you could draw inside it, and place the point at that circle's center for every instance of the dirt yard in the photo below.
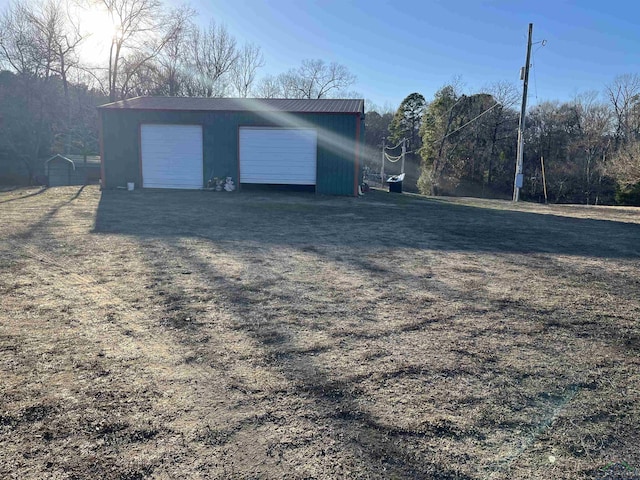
(260, 335)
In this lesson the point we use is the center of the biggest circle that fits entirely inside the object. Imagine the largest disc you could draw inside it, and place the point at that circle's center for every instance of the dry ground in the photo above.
(264, 335)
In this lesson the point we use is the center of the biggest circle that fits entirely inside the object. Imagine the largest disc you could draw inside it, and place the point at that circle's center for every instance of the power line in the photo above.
(393, 148)
(533, 66)
(535, 79)
(469, 122)
(462, 126)
(392, 159)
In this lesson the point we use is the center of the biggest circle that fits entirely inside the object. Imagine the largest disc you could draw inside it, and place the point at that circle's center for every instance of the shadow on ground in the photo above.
(290, 300)
(22, 197)
(376, 221)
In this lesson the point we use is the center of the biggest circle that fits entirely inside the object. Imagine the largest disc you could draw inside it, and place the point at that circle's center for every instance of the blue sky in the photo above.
(398, 47)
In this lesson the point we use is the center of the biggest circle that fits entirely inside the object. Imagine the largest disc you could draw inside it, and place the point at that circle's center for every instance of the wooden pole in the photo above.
(517, 184)
(544, 179)
(382, 167)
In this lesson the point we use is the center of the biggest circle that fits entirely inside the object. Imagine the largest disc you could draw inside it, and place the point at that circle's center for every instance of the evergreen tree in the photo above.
(407, 120)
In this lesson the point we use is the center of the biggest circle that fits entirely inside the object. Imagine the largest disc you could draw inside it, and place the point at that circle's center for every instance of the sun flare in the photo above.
(98, 30)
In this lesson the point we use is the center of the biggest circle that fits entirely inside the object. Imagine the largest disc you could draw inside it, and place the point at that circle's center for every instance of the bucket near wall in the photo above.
(130, 186)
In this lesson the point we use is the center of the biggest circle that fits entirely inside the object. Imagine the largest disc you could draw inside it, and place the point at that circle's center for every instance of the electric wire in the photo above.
(461, 127)
(469, 122)
(535, 80)
(392, 159)
(397, 145)
(533, 66)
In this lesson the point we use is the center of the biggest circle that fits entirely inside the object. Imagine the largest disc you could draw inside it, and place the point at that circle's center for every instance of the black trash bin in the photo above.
(395, 183)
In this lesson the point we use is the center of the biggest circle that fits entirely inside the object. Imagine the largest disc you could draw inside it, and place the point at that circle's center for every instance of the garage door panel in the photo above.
(277, 180)
(293, 168)
(278, 155)
(171, 156)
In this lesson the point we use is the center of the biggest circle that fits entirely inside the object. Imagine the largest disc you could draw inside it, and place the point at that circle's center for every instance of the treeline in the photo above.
(466, 144)
(458, 143)
(53, 75)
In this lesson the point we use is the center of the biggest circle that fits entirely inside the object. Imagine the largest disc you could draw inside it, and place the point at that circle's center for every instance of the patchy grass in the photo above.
(203, 335)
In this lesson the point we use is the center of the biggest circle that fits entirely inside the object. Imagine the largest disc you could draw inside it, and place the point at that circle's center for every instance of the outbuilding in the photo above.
(185, 142)
(72, 170)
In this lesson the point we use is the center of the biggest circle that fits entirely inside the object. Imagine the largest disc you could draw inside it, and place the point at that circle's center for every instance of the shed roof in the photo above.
(60, 157)
(322, 105)
(77, 160)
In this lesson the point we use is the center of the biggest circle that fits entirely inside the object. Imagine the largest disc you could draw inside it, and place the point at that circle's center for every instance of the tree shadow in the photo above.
(349, 232)
(32, 194)
(41, 224)
(376, 446)
(376, 223)
(340, 231)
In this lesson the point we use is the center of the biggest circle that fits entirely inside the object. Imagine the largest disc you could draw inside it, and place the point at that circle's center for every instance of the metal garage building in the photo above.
(176, 142)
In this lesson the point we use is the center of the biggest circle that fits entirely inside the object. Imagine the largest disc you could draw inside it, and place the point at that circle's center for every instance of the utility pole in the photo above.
(517, 184)
(544, 180)
(382, 165)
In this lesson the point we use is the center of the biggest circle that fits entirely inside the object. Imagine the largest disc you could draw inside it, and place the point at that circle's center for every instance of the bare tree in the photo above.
(595, 124)
(313, 79)
(624, 95)
(288, 84)
(172, 60)
(244, 70)
(506, 94)
(84, 132)
(213, 53)
(625, 164)
(269, 87)
(37, 42)
(60, 37)
(316, 79)
(133, 21)
(21, 42)
(143, 28)
(143, 76)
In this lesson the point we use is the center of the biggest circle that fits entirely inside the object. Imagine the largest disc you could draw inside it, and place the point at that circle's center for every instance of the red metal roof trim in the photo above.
(322, 105)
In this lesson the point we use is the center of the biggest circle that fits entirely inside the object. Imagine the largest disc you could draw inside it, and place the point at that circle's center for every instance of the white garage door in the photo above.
(171, 156)
(278, 155)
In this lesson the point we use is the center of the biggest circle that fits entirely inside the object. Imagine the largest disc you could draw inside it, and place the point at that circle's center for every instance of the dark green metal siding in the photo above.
(336, 143)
